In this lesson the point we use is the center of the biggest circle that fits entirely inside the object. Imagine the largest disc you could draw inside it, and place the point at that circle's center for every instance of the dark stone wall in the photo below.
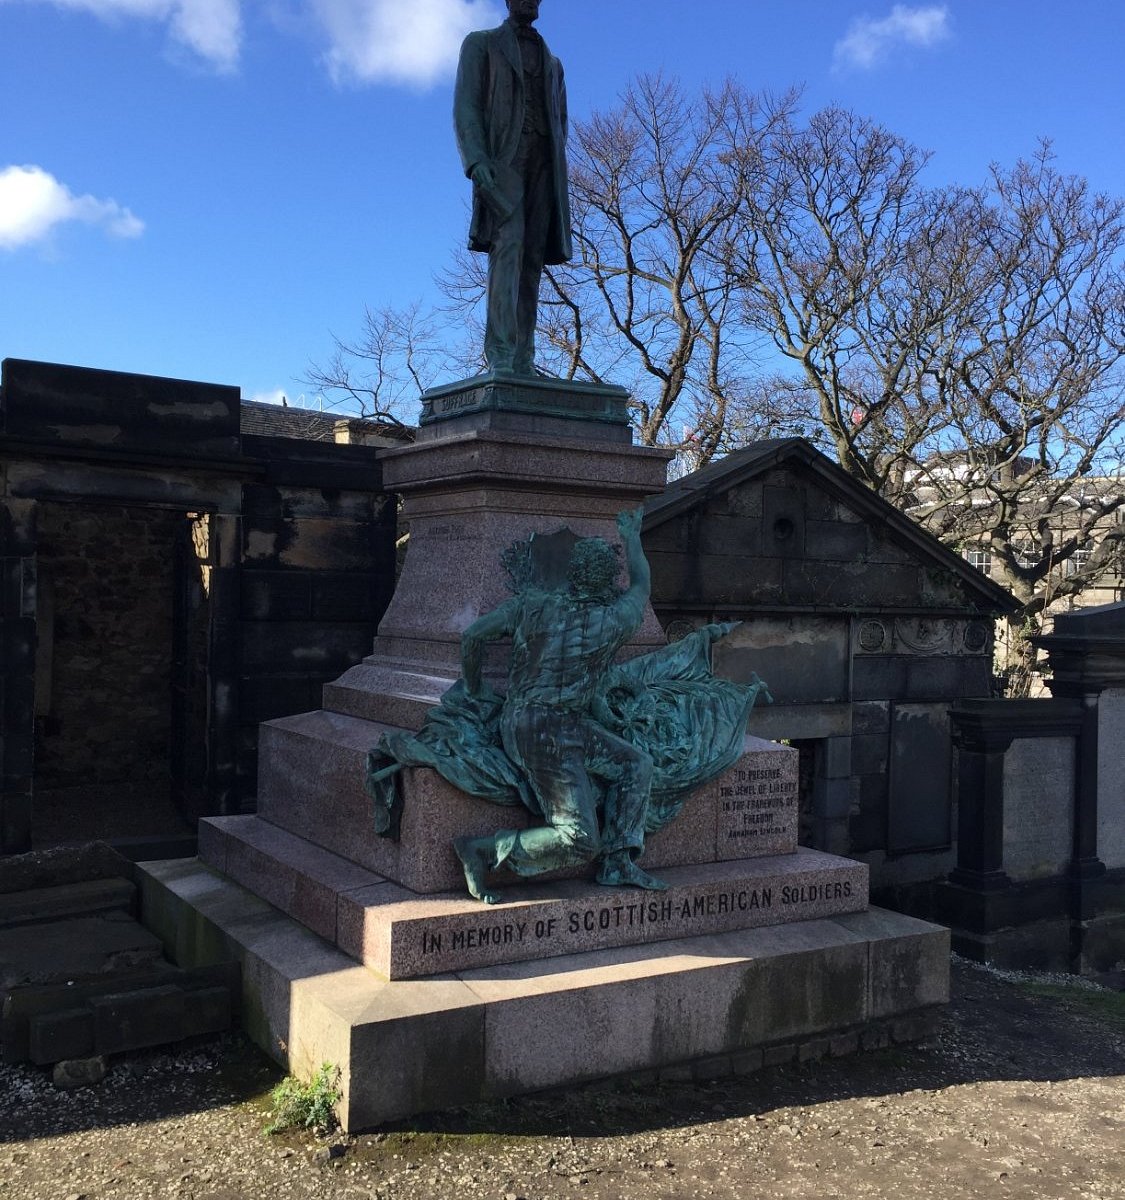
(17, 670)
(233, 574)
(317, 574)
(52, 403)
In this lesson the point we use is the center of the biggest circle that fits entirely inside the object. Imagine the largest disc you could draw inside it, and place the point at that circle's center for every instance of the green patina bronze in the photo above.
(602, 753)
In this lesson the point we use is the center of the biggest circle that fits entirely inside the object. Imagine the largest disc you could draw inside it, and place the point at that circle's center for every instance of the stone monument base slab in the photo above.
(405, 1047)
(528, 404)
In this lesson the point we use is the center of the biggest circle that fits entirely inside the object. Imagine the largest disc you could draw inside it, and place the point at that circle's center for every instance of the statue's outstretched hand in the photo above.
(629, 523)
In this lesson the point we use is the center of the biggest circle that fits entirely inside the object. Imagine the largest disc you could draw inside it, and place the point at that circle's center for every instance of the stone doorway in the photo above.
(121, 669)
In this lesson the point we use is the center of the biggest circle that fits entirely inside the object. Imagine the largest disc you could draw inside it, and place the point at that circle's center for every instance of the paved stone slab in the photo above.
(311, 777)
(67, 900)
(73, 948)
(409, 1046)
(404, 936)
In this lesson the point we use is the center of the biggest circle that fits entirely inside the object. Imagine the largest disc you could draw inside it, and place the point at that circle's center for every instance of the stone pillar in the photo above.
(223, 664)
(17, 672)
(1086, 653)
(993, 918)
(832, 794)
(981, 744)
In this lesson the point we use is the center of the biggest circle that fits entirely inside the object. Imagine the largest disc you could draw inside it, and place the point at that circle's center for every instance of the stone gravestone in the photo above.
(369, 953)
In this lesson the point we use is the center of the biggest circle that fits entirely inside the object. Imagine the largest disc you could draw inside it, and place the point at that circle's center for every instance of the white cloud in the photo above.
(210, 28)
(399, 41)
(869, 41)
(33, 202)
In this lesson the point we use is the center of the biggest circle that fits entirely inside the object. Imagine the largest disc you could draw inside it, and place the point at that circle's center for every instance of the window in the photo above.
(980, 557)
(1026, 554)
(1078, 561)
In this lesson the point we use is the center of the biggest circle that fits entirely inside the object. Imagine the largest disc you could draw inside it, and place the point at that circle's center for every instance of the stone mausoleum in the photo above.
(866, 628)
(170, 580)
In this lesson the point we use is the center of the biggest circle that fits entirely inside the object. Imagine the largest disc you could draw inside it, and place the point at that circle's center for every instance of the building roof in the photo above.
(759, 457)
(312, 425)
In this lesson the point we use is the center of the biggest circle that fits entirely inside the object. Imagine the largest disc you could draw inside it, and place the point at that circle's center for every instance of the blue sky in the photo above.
(212, 188)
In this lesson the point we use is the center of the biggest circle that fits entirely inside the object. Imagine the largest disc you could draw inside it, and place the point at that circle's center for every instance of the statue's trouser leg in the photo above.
(550, 746)
(534, 157)
(503, 284)
(515, 263)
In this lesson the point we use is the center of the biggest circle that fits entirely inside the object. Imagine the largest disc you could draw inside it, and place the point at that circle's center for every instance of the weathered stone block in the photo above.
(134, 1020)
(836, 540)
(909, 964)
(832, 798)
(836, 756)
(776, 1056)
(843, 1045)
(73, 899)
(870, 752)
(746, 1062)
(78, 406)
(871, 717)
(813, 1050)
(55, 1036)
(878, 677)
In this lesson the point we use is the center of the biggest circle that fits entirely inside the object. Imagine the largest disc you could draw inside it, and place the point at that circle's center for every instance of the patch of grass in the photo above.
(305, 1105)
(1104, 1004)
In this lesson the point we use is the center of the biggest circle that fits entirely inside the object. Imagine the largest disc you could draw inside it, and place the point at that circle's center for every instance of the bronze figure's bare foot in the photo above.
(476, 857)
(620, 871)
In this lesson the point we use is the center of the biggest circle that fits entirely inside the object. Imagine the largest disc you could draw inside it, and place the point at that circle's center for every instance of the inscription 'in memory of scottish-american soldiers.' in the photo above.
(664, 912)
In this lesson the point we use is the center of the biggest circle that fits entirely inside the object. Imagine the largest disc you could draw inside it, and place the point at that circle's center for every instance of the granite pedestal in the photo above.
(368, 954)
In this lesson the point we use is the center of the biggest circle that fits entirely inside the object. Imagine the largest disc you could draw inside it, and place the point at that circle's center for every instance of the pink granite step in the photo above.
(301, 879)
(311, 774)
(403, 935)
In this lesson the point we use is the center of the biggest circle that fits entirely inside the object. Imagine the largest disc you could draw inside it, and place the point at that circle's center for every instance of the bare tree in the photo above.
(962, 349)
(398, 354)
(748, 273)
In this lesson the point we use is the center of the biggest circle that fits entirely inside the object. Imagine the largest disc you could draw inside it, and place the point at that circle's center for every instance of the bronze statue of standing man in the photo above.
(509, 112)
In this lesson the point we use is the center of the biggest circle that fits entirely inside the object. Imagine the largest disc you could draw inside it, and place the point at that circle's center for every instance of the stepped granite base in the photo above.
(415, 1045)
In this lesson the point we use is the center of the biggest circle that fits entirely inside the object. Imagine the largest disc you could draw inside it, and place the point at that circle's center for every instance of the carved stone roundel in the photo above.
(872, 635)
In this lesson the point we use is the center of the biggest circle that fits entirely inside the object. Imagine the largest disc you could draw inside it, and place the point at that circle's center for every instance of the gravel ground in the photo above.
(1022, 1094)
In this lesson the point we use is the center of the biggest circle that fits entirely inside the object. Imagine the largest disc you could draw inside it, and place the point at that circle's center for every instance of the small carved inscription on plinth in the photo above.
(758, 807)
